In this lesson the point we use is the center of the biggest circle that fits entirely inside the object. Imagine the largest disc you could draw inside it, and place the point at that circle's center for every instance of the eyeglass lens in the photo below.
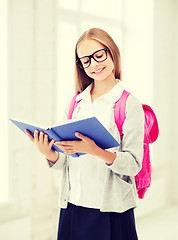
(99, 56)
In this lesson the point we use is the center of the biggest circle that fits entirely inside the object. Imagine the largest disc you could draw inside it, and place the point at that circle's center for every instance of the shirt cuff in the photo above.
(59, 163)
(125, 164)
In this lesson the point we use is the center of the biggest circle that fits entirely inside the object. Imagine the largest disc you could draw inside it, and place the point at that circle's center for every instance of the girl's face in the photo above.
(96, 70)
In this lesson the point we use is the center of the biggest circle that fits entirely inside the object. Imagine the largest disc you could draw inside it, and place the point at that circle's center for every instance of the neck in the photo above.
(104, 86)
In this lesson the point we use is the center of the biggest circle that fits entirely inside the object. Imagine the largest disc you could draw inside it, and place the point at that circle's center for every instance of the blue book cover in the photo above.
(90, 127)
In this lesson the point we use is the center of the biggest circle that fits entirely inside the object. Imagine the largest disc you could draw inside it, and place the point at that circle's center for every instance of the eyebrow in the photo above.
(92, 53)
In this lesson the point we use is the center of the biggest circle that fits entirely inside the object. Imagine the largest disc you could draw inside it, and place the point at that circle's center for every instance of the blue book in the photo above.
(90, 127)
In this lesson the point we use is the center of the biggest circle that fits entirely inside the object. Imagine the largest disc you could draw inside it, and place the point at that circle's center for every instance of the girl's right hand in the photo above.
(43, 145)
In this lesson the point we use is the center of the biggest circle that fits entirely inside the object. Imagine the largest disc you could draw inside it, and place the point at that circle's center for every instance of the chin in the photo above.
(102, 78)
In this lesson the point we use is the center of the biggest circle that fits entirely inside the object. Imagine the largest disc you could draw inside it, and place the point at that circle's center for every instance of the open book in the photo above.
(90, 127)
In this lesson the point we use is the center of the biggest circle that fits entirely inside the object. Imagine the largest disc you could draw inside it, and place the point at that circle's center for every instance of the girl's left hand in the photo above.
(86, 145)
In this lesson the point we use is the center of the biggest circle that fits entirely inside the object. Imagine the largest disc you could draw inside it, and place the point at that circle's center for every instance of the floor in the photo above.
(162, 225)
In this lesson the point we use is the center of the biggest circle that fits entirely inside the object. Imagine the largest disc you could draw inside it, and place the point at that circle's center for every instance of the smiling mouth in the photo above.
(99, 71)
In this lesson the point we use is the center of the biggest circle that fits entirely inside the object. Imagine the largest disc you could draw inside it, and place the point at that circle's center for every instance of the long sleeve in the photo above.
(128, 161)
(112, 186)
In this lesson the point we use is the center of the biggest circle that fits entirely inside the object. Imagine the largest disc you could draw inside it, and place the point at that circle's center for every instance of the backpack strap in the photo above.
(73, 105)
(119, 111)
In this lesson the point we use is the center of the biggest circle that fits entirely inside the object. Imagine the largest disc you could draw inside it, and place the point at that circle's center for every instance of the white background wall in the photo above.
(163, 192)
(32, 211)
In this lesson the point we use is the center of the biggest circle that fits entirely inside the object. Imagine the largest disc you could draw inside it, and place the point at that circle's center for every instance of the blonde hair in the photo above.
(82, 80)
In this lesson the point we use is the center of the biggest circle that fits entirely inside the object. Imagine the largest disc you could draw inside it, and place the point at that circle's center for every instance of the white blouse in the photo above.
(87, 172)
(88, 180)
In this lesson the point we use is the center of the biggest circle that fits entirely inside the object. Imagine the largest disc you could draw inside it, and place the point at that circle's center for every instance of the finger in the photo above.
(64, 148)
(64, 143)
(81, 136)
(30, 136)
(41, 137)
(70, 151)
(36, 139)
(69, 143)
(51, 143)
(46, 139)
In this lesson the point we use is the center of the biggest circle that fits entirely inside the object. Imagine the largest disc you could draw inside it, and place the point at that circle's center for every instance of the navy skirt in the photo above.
(81, 223)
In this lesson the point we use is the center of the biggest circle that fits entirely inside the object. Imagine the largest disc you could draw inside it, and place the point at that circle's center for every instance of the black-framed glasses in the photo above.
(98, 56)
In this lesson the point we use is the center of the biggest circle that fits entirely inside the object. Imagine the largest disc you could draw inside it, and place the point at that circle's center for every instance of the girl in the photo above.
(98, 193)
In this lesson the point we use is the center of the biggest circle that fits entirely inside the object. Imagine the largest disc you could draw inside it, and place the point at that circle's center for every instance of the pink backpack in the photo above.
(143, 178)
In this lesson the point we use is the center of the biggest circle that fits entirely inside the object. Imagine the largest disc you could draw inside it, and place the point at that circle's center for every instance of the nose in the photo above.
(93, 63)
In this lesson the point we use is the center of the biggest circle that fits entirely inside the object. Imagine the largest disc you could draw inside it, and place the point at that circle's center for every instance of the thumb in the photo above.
(81, 136)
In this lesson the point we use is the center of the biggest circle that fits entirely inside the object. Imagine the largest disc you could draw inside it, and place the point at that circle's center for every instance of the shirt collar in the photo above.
(112, 96)
(85, 94)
